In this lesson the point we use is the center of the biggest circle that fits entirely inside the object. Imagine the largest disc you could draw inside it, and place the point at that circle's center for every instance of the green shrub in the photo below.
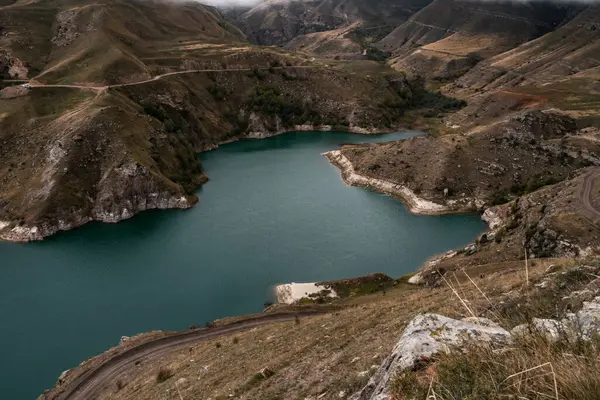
(154, 110)
(270, 101)
(423, 98)
(217, 92)
(163, 374)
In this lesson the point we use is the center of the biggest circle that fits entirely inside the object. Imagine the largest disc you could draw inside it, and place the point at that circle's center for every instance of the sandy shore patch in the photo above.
(292, 292)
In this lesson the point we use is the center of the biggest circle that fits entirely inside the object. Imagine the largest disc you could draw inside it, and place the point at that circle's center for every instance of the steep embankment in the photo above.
(350, 350)
(447, 38)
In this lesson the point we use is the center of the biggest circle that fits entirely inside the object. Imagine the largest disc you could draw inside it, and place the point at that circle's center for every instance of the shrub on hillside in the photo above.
(435, 100)
(163, 374)
(270, 101)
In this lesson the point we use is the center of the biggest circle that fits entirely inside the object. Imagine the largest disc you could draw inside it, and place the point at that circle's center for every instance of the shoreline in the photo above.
(289, 293)
(257, 135)
(12, 232)
(414, 203)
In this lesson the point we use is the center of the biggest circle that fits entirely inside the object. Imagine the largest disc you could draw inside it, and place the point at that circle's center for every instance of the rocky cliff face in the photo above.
(86, 163)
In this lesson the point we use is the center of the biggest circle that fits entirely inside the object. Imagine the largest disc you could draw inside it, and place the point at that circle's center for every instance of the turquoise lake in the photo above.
(274, 211)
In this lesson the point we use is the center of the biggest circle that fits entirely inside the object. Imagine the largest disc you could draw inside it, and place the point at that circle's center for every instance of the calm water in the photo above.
(275, 211)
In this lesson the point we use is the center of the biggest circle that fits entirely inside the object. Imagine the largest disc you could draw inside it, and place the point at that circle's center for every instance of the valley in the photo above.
(248, 117)
(274, 211)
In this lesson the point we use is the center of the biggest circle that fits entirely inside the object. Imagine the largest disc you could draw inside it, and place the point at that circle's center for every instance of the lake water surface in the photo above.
(274, 211)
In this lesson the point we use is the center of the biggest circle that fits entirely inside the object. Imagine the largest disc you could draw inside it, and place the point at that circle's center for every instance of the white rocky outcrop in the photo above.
(124, 192)
(419, 277)
(583, 324)
(549, 328)
(492, 219)
(258, 130)
(430, 334)
(425, 336)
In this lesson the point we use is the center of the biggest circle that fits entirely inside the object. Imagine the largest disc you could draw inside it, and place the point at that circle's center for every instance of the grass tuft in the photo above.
(534, 368)
(163, 374)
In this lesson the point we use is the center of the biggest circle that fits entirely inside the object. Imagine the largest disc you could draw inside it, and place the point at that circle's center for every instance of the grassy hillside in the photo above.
(569, 51)
(114, 41)
(333, 356)
(447, 38)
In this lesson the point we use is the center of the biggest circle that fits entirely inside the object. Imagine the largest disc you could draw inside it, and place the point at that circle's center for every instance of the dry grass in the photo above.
(533, 368)
(322, 355)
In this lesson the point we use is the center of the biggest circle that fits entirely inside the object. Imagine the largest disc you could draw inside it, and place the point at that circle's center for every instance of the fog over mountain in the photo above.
(230, 3)
(250, 3)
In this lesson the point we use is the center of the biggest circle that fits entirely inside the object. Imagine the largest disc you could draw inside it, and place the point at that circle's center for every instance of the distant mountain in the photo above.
(572, 50)
(448, 37)
(277, 22)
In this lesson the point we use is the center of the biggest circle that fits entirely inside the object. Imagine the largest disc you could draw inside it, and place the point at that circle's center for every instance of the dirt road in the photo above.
(586, 191)
(34, 84)
(89, 384)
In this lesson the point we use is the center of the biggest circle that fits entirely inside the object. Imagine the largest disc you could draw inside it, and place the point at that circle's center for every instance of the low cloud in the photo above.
(541, 1)
(230, 3)
(250, 3)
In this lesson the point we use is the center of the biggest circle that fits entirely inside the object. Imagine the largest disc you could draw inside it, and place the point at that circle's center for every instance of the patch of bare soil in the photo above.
(11, 92)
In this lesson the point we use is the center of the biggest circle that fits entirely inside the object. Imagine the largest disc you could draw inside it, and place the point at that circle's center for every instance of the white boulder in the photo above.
(550, 328)
(425, 336)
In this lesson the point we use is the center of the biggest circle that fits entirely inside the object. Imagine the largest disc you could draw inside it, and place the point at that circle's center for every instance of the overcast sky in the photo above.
(225, 3)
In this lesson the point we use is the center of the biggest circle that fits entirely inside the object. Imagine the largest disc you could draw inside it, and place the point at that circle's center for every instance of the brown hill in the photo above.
(277, 22)
(448, 37)
(572, 50)
(87, 41)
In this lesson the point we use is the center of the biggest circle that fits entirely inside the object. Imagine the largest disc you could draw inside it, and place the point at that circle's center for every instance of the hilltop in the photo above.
(325, 28)
(280, 21)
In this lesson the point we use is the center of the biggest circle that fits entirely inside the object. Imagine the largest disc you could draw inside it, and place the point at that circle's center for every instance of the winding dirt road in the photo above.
(34, 84)
(586, 191)
(91, 383)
